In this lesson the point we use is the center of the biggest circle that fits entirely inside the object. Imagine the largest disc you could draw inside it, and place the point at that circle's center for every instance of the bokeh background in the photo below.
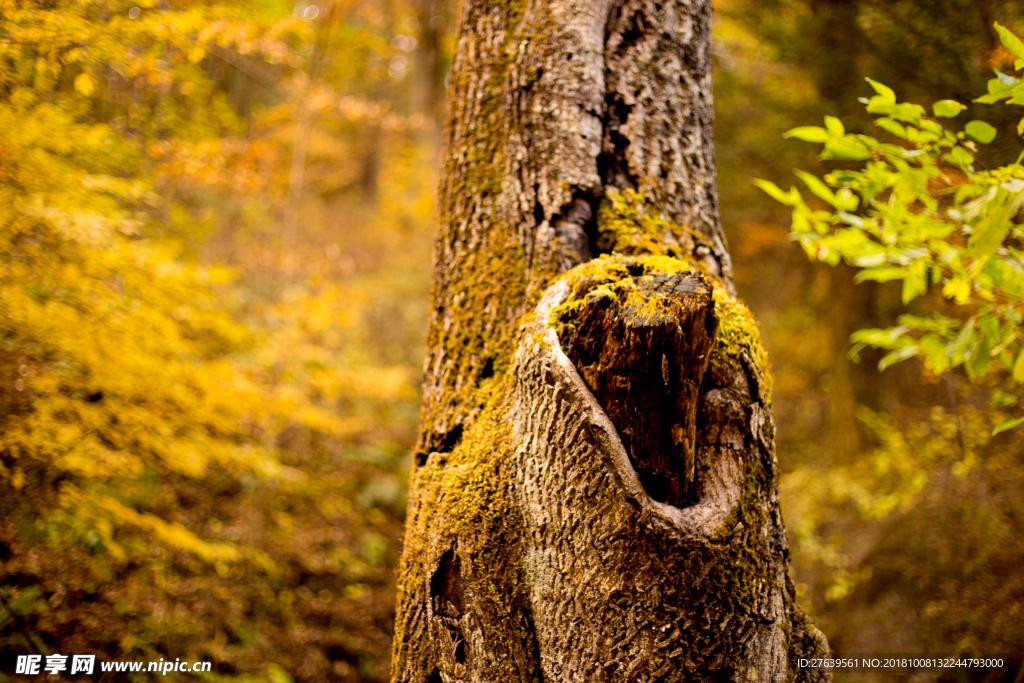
(215, 234)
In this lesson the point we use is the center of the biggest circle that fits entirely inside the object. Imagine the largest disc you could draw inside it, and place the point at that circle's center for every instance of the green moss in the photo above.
(481, 171)
(463, 503)
(490, 287)
(745, 564)
(481, 338)
(738, 335)
(465, 490)
(628, 223)
(741, 567)
(615, 276)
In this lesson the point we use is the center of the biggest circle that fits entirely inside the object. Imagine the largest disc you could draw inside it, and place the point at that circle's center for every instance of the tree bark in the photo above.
(594, 494)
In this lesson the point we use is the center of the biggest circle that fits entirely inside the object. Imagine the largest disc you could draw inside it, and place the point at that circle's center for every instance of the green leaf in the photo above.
(846, 201)
(886, 338)
(846, 148)
(884, 91)
(876, 107)
(934, 353)
(775, 192)
(994, 226)
(921, 137)
(808, 134)
(896, 356)
(997, 90)
(981, 357)
(980, 131)
(1018, 368)
(891, 126)
(883, 274)
(1010, 41)
(959, 346)
(947, 109)
(834, 126)
(816, 186)
(1005, 79)
(1008, 423)
(1002, 399)
(908, 111)
(851, 219)
(959, 156)
(868, 261)
(916, 282)
(933, 323)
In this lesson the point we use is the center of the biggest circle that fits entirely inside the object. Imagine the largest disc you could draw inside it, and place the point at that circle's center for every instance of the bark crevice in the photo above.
(575, 228)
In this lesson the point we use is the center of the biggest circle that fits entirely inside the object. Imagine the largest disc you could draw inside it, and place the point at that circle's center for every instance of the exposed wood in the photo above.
(644, 361)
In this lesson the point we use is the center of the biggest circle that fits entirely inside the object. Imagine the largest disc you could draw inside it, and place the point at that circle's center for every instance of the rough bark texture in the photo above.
(594, 496)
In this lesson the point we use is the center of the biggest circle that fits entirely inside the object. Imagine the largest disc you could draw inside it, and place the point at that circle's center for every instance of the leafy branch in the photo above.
(925, 212)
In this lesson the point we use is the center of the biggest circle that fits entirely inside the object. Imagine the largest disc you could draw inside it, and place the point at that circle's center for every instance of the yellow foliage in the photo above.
(193, 457)
(126, 353)
(887, 480)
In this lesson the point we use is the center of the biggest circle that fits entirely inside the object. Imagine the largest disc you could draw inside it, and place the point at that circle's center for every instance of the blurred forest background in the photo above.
(215, 234)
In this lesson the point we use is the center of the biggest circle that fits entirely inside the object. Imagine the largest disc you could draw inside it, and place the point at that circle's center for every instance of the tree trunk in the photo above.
(594, 493)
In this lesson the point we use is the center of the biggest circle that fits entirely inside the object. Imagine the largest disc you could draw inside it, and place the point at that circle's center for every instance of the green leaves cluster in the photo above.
(926, 213)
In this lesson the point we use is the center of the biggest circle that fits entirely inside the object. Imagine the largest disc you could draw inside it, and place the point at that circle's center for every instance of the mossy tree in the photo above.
(594, 493)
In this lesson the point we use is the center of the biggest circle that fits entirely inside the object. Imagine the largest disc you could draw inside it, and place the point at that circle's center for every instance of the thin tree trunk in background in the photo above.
(430, 95)
(303, 128)
(838, 42)
(594, 496)
(845, 393)
(296, 178)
